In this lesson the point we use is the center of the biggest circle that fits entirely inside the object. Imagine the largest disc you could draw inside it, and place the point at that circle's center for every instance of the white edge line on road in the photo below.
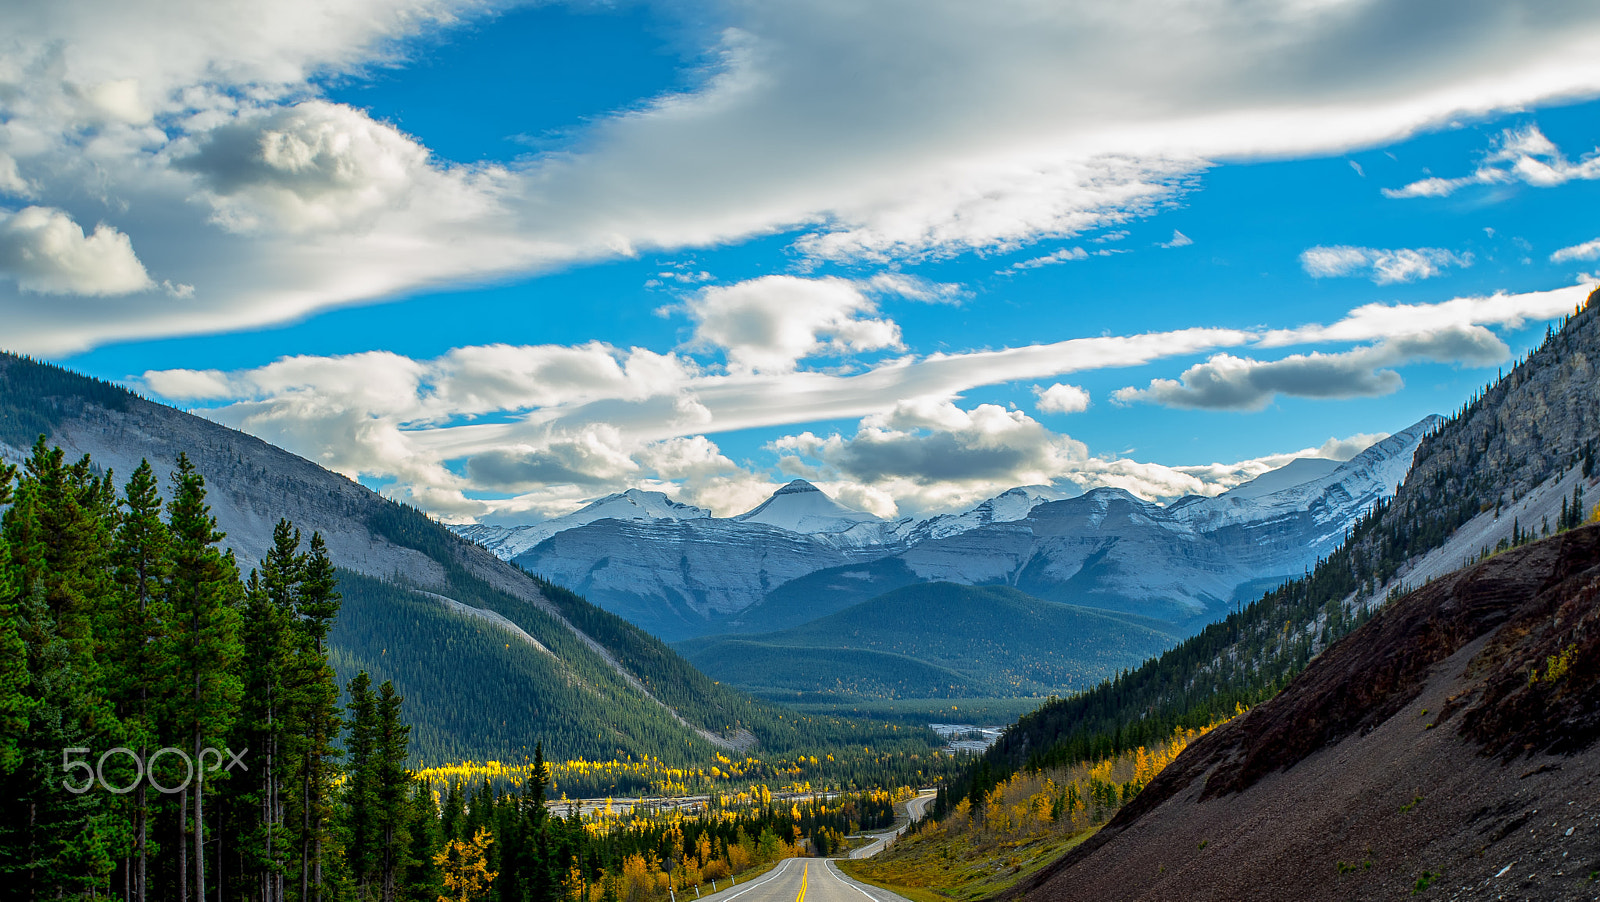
(777, 872)
(847, 881)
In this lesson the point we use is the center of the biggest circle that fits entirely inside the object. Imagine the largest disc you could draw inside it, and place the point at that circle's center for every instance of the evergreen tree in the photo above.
(360, 797)
(140, 558)
(205, 650)
(13, 652)
(393, 783)
(317, 699)
(55, 533)
(271, 621)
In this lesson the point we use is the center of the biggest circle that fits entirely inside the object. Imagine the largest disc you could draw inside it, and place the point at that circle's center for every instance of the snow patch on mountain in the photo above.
(634, 504)
(1299, 471)
(1007, 507)
(1335, 498)
(803, 508)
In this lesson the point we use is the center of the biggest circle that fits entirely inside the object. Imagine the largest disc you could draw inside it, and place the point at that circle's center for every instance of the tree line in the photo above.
(168, 729)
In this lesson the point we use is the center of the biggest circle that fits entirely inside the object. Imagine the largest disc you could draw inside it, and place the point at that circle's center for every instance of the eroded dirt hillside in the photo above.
(1447, 748)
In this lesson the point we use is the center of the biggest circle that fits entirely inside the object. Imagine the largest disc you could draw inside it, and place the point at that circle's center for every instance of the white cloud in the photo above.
(1374, 321)
(905, 129)
(554, 424)
(1383, 266)
(1521, 155)
(1063, 255)
(1589, 250)
(929, 456)
(46, 252)
(1060, 398)
(11, 181)
(313, 167)
(1228, 382)
(1178, 240)
(915, 288)
(769, 324)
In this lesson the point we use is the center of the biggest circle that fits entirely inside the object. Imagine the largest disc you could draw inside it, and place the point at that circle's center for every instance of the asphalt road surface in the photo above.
(914, 810)
(803, 880)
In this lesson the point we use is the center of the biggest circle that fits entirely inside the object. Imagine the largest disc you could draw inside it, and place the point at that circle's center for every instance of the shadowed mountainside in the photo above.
(1448, 742)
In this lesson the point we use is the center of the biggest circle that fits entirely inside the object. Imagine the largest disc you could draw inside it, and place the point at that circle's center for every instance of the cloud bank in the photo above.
(195, 132)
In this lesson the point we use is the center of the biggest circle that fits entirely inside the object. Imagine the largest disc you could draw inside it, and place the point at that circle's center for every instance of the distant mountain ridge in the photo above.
(933, 640)
(678, 572)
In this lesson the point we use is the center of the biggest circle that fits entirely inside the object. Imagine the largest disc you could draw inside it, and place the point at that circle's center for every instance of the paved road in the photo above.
(880, 841)
(803, 880)
(818, 879)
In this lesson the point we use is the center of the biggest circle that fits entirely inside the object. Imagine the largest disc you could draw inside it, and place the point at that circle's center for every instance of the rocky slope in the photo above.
(1446, 747)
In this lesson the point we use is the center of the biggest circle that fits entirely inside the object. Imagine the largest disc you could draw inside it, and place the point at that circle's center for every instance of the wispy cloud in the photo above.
(1064, 255)
(1589, 250)
(1382, 265)
(1178, 240)
(1521, 155)
(1374, 321)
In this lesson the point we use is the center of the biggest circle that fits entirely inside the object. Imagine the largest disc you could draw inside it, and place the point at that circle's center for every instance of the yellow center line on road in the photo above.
(804, 873)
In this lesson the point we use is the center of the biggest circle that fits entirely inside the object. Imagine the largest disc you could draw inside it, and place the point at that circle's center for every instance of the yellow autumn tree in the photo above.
(465, 867)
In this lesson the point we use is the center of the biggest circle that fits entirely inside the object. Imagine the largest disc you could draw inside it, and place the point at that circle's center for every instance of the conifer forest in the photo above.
(171, 729)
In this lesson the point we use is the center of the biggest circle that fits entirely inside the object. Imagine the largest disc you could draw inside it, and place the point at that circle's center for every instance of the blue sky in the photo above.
(498, 260)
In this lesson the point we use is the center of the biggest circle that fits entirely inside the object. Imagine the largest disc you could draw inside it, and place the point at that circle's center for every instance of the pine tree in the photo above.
(140, 557)
(360, 797)
(13, 652)
(206, 648)
(393, 785)
(317, 604)
(55, 532)
(271, 620)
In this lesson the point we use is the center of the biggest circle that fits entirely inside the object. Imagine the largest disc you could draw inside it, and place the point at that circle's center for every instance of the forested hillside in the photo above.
(935, 640)
(1538, 422)
(423, 602)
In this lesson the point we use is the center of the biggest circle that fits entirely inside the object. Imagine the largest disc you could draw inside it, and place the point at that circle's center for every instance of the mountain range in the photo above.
(679, 572)
(490, 659)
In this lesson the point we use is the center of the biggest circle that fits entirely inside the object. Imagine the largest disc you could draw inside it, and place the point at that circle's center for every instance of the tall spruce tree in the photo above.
(13, 652)
(317, 695)
(394, 779)
(141, 561)
(205, 648)
(360, 797)
(54, 841)
(271, 621)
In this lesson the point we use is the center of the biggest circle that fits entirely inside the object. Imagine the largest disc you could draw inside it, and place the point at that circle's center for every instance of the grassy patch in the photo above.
(936, 866)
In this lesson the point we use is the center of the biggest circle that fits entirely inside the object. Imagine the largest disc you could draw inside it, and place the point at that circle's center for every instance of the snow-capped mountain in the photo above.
(1007, 507)
(801, 507)
(677, 571)
(1331, 499)
(509, 541)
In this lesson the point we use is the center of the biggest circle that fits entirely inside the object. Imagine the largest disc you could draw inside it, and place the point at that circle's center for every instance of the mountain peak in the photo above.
(802, 507)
